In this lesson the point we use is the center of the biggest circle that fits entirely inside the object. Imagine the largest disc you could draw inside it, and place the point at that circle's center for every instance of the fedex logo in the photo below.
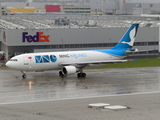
(39, 37)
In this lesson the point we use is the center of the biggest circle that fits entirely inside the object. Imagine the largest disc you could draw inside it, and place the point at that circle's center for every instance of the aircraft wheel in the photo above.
(24, 76)
(61, 74)
(79, 75)
(83, 75)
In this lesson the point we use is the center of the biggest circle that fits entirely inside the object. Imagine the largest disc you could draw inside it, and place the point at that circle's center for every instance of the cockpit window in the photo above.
(13, 60)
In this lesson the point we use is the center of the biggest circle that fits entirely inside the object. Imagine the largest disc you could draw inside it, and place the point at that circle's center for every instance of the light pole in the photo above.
(96, 8)
(62, 44)
(105, 10)
(110, 42)
(114, 10)
(154, 43)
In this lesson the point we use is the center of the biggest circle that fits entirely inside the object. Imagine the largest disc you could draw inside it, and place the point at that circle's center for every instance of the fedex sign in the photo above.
(39, 37)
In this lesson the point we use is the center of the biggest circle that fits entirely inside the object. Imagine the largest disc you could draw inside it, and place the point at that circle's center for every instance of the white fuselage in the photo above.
(52, 60)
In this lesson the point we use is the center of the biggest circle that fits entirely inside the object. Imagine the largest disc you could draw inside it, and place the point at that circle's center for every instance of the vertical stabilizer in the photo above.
(128, 38)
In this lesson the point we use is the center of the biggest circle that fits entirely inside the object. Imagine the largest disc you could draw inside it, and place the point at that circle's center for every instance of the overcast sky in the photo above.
(144, 1)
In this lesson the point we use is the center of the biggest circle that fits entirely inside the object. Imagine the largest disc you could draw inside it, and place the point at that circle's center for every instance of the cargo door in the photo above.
(27, 61)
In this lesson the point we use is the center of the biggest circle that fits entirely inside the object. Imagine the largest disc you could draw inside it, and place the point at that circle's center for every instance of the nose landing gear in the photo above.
(24, 74)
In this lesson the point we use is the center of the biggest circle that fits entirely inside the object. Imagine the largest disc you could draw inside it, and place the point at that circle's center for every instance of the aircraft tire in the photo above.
(61, 74)
(24, 76)
(81, 75)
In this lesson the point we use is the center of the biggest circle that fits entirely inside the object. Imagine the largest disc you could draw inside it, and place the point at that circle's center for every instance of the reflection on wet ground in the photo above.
(45, 86)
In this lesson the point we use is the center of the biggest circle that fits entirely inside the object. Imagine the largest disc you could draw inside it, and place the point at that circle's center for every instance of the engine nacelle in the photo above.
(69, 70)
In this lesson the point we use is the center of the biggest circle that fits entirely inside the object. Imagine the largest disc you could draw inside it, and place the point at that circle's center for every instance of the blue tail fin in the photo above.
(127, 40)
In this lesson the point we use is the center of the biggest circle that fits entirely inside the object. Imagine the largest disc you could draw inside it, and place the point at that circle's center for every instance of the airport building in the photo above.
(119, 7)
(76, 9)
(39, 33)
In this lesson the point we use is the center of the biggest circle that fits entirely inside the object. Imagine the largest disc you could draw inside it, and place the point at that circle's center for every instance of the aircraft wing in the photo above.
(92, 62)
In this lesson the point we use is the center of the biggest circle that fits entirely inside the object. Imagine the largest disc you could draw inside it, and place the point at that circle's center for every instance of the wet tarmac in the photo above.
(48, 86)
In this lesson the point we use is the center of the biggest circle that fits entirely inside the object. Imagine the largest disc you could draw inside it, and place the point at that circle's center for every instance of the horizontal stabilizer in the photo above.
(137, 51)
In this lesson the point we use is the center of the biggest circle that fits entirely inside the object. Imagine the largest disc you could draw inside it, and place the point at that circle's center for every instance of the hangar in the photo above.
(37, 33)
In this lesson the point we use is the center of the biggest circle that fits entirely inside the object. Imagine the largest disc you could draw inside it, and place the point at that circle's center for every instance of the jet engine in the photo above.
(69, 70)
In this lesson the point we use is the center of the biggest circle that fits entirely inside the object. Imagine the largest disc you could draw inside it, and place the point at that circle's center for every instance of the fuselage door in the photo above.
(26, 60)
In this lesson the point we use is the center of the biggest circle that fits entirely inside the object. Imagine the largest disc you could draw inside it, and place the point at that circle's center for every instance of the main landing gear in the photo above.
(24, 74)
(81, 74)
(61, 74)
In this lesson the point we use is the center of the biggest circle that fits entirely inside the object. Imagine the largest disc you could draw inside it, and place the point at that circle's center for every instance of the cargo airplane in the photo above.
(72, 62)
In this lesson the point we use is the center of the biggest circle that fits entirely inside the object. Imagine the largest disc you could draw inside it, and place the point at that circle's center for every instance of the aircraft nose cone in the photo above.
(7, 64)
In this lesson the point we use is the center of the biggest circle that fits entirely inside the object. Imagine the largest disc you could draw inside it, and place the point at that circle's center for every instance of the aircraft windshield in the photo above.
(13, 60)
